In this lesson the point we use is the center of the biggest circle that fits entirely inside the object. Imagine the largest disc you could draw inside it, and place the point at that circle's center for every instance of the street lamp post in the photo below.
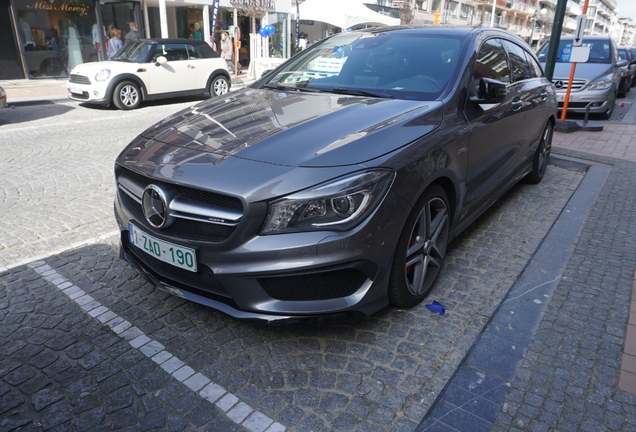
(535, 16)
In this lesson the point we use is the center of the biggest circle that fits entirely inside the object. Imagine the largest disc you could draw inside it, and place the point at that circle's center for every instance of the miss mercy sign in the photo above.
(61, 6)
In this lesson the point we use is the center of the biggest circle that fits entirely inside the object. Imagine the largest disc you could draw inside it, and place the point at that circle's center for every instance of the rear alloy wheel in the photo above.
(127, 95)
(421, 250)
(542, 156)
(219, 86)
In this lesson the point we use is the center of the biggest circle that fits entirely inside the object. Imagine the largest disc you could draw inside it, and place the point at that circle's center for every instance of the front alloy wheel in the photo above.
(127, 96)
(421, 250)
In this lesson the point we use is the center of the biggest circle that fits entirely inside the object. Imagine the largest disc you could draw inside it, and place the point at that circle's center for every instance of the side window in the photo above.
(519, 65)
(176, 52)
(192, 53)
(491, 63)
(535, 68)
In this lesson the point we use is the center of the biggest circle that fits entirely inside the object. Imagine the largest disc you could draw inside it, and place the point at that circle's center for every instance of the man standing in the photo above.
(132, 35)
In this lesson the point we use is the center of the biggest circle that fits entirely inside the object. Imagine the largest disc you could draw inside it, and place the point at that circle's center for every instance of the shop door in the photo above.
(118, 15)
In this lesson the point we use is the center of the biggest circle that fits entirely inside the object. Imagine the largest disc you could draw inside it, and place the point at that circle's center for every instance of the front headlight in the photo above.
(602, 84)
(337, 205)
(102, 75)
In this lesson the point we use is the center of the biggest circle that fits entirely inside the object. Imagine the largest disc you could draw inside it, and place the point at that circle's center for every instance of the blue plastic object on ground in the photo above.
(436, 307)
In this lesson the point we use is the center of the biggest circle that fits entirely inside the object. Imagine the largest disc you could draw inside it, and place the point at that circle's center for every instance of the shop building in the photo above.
(47, 38)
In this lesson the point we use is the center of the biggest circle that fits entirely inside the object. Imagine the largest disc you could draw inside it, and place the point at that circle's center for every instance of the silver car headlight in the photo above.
(102, 75)
(602, 84)
(337, 205)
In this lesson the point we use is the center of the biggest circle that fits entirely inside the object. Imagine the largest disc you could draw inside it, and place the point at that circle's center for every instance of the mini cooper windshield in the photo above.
(135, 52)
(384, 65)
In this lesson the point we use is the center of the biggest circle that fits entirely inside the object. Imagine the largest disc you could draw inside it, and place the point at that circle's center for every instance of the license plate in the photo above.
(167, 252)
(75, 90)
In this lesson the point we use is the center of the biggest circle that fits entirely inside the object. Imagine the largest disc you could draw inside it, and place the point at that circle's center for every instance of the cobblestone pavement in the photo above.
(86, 344)
(568, 378)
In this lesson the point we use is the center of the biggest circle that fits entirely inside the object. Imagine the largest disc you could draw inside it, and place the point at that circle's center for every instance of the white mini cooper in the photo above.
(150, 69)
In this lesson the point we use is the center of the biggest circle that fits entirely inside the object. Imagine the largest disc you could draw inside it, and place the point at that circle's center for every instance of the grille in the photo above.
(182, 227)
(316, 286)
(191, 229)
(222, 201)
(204, 279)
(576, 84)
(79, 79)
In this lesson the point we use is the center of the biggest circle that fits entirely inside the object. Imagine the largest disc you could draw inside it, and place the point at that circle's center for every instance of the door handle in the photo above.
(190, 66)
(516, 105)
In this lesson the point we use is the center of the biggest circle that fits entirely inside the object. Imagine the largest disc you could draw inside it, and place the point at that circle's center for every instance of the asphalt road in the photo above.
(68, 368)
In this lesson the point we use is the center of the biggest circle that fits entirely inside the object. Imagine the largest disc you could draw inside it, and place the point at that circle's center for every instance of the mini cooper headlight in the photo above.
(102, 75)
(337, 205)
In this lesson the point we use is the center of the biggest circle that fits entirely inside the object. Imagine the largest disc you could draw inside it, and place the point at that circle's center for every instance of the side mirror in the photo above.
(633, 62)
(490, 92)
(161, 60)
(621, 63)
(265, 72)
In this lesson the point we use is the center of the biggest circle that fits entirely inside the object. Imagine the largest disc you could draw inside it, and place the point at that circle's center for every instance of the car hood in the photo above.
(91, 68)
(296, 128)
(584, 71)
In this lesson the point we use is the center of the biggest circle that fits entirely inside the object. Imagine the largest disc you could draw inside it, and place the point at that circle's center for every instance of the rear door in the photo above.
(532, 91)
(496, 129)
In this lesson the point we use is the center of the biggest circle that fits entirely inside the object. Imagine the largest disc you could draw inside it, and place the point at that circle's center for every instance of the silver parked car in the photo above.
(596, 82)
(333, 185)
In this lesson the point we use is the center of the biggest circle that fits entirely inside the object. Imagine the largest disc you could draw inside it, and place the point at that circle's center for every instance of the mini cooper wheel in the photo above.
(541, 157)
(127, 95)
(421, 250)
(219, 86)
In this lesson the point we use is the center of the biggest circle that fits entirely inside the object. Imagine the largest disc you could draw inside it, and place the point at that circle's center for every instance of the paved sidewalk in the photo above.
(577, 370)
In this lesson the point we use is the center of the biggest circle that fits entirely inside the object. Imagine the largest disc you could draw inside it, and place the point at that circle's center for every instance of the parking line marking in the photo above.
(239, 412)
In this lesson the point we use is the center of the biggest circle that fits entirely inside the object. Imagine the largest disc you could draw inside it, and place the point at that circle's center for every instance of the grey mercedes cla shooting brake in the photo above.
(332, 186)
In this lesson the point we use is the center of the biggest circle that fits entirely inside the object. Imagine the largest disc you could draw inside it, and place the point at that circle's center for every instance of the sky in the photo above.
(627, 8)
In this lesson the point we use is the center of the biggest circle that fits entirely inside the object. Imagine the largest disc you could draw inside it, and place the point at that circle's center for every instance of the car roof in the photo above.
(172, 41)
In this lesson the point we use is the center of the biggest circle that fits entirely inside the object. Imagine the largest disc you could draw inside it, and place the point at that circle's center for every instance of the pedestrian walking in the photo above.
(133, 34)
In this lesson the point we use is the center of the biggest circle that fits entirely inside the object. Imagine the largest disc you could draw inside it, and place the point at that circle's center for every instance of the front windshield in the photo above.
(135, 52)
(396, 65)
(599, 51)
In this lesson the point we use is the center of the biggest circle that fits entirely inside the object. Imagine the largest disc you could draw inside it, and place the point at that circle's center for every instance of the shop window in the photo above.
(55, 37)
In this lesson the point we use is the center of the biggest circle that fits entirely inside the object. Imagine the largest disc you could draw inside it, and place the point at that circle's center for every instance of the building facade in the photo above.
(47, 38)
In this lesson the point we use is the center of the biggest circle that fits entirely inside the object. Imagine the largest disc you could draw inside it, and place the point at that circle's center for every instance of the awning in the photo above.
(343, 13)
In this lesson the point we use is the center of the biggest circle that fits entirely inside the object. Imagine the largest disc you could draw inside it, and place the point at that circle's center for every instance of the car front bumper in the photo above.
(95, 93)
(309, 277)
(598, 101)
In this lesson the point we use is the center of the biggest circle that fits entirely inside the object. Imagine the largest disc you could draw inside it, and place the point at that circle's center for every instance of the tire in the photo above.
(219, 86)
(51, 67)
(127, 95)
(608, 112)
(542, 156)
(421, 249)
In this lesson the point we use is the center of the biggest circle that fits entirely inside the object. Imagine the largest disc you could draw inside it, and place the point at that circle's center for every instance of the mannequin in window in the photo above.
(27, 36)
(196, 34)
(74, 49)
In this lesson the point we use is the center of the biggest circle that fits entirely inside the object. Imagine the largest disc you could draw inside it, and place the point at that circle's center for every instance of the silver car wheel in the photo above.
(220, 86)
(127, 96)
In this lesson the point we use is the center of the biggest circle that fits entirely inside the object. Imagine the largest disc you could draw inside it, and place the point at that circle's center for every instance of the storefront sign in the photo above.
(59, 6)
(262, 3)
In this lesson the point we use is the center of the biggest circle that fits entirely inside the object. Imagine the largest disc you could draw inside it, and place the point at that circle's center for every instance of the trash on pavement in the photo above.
(436, 307)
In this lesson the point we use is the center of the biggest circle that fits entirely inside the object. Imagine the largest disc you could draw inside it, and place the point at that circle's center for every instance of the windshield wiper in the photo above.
(357, 92)
(287, 88)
